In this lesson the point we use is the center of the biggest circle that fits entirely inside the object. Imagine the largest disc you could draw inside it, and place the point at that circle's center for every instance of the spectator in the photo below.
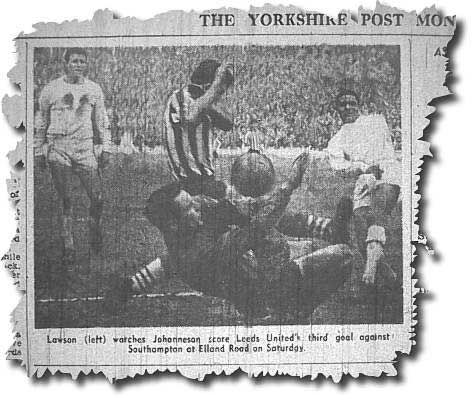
(283, 92)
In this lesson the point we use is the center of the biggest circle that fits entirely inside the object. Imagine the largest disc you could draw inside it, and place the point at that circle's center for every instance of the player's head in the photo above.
(204, 75)
(347, 103)
(171, 203)
(76, 62)
(375, 170)
(189, 209)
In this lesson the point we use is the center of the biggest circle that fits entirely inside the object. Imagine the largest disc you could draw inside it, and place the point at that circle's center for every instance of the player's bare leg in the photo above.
(375, 257)
(91, 181)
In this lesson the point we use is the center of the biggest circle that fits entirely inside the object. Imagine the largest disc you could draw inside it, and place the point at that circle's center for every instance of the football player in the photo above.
(72, 135)
(191, 114)
(363, 146)
(242, 257)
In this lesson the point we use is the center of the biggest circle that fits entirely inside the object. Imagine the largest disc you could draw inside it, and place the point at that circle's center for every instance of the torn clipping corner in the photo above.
(224, 190)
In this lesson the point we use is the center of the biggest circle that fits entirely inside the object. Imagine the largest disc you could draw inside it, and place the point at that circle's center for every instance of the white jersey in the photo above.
(366, 141)
(76, 111)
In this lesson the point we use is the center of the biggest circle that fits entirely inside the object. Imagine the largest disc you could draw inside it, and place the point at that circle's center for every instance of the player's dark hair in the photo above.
(74, 50)
(347, 92)
(205, 72)
(160, 208)
(347, 87)
(375, 170)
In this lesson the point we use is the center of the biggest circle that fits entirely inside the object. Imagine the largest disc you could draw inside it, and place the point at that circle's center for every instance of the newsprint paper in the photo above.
(207, 192)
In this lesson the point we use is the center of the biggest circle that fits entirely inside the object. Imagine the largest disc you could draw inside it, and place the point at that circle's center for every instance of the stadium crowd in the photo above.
(284, 93)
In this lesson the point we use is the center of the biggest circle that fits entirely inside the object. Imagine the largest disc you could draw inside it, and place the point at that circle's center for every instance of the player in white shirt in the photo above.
(363, 143)
(71, 132)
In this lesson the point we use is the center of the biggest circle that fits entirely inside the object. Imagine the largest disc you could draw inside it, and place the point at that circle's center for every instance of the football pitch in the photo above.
(130, 241)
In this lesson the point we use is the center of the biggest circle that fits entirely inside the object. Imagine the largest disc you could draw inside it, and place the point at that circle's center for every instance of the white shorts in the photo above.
(72, 153)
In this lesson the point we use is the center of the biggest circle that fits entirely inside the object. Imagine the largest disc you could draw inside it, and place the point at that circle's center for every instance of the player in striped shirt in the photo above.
(252, 141)
(190, 116)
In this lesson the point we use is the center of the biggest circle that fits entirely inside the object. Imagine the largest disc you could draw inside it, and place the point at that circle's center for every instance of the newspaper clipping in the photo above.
(206, 192)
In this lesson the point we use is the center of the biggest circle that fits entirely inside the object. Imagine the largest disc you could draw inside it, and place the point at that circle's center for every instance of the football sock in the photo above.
(146, 276)
(320, 227)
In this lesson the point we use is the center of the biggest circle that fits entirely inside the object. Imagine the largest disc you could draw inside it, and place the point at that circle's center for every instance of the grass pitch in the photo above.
(130, 241)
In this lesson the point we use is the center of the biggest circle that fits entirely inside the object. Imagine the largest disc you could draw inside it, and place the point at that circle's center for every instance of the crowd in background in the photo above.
(286, 94)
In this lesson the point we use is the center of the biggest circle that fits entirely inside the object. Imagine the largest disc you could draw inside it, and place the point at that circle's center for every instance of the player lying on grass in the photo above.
(71, 134)
(239, 256)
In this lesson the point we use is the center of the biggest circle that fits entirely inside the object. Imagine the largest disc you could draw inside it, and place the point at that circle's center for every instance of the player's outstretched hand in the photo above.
(298, 169)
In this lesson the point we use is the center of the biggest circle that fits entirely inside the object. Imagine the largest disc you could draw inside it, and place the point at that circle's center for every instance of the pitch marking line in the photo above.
(99, 298)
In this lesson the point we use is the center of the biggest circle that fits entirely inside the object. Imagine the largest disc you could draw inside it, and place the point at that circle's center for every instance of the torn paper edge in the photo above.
(105, 23)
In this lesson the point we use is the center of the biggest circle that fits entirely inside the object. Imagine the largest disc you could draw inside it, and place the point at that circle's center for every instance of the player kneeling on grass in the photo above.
(239, 256)
(71, 134)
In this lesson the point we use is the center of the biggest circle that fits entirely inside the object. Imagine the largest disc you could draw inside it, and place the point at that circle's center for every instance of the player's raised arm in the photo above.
(220, 79)
(268, 208)
(221, 118)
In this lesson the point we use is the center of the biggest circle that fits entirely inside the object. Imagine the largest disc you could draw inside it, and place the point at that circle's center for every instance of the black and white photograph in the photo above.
(217, 185)
(218, 192)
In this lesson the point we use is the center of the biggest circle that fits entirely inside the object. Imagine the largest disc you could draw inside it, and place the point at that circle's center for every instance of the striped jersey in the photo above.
(188, 126)
(252, 140)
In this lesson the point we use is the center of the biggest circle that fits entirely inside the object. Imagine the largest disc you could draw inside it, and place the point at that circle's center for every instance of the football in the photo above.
(253, 174)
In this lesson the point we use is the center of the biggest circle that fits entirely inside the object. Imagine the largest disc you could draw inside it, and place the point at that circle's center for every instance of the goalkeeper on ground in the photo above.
(242, 258)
